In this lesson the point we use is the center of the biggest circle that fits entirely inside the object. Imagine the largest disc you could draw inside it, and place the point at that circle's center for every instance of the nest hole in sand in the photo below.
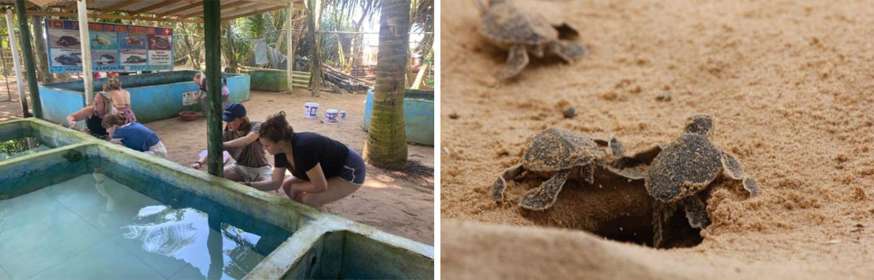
(614, 208)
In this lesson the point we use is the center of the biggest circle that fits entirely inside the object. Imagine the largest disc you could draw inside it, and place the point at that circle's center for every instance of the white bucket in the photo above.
(331, 115)
(310, 110)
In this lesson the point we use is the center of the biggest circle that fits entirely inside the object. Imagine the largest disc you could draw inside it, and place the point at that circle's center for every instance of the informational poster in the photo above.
(114, 47)
(190, 98)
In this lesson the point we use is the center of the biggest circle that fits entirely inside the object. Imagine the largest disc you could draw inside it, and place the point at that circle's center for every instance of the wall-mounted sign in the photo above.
(114, 47)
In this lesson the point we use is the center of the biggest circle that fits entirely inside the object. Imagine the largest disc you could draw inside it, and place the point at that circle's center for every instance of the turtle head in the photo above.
(699, 124)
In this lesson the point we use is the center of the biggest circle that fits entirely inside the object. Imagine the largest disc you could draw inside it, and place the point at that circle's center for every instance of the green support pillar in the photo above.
(212, 41)
(27, 52)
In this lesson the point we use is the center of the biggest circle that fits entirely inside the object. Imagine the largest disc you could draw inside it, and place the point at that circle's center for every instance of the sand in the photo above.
(789, 83)
(397, 202)
(10, 108)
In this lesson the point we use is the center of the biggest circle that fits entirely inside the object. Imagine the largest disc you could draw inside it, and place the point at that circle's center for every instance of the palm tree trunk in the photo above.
(39, 43)
(315, 55)
(386, 145)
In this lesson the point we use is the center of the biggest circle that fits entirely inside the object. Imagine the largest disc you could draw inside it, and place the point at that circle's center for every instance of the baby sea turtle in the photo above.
(508, 27)
(685, 168)
(559, 155)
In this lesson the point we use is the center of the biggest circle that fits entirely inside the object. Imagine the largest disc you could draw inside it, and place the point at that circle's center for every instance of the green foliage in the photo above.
(337, 49)
(17, 147)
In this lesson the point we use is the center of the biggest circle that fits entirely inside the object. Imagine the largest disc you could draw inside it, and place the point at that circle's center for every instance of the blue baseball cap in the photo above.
(233, 111)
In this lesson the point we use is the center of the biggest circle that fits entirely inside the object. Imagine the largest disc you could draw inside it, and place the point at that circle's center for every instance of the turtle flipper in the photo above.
(648, 155)
(696, 212)
(751, 186)
(731, 167)
(516, 61)
(661, 228)
(627, 173)
(640, 158)
(565, 31)
(568, 51)
(500, 185)
(543, 197)
(538, 51)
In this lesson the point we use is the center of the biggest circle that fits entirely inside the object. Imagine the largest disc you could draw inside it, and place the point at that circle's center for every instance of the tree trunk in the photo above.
(315, 55)
(386, 145)
(39, 43)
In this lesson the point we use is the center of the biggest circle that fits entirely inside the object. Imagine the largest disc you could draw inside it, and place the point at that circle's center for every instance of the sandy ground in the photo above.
(392, 201)
(10, 108)
(397, 202)
(790, 84)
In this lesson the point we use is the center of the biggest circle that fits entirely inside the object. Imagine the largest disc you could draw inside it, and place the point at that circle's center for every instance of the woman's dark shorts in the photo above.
(354, 169)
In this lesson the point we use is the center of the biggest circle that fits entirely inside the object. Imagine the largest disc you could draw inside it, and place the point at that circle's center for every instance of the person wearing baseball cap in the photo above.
(240, 139)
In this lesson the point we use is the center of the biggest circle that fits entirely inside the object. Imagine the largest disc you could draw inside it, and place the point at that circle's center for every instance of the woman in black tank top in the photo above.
(324, 169)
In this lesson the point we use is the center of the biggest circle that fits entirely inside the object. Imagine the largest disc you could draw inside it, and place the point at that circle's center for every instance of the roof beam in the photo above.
(248, 6)
(111, 16)
(274, 2)
(183, 8)
(119, 5)
(225, 5)
(154, 6)
(248, 13)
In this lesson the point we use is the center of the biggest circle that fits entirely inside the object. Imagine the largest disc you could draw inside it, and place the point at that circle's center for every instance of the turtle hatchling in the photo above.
(685, 168)
(559, 155)
(510, 28)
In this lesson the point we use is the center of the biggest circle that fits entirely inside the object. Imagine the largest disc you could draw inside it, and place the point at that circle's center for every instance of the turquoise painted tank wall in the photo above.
(418, 115)
(154, 96)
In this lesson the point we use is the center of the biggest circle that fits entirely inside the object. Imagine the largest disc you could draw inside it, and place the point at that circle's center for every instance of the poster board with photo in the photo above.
(114, 47)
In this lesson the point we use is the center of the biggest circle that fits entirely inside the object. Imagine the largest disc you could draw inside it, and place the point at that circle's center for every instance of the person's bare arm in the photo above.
(80, 115)
(318, 182)
(199, 162)
(273, 183)
(242, 141)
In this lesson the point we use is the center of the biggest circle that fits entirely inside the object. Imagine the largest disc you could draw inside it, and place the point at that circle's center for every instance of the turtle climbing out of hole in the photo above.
(682, 170)
(559, 155)
(508, 27)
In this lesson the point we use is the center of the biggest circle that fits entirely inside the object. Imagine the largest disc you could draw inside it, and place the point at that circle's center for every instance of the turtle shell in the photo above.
(506, 25)
(683, 168)
(557, 149)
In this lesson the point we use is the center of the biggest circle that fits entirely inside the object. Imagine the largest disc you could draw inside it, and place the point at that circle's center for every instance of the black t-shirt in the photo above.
(311, 149)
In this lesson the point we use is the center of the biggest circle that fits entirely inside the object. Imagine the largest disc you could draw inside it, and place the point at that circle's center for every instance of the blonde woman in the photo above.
(113, 99)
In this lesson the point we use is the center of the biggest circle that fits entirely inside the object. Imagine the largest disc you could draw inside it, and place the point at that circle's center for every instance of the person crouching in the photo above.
(133, 135)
